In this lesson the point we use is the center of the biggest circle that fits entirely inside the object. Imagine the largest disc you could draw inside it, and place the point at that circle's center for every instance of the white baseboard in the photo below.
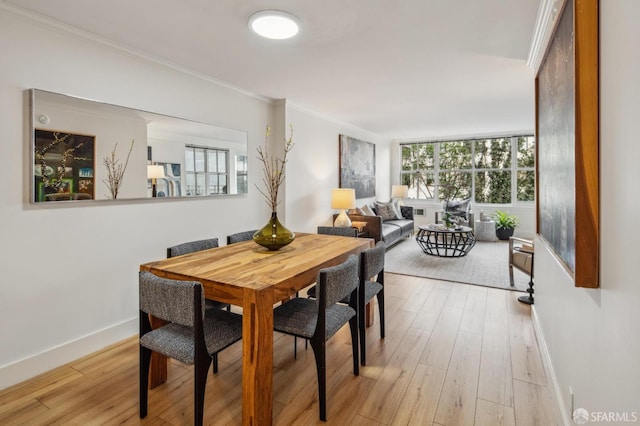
(546, 359)
(29, 367)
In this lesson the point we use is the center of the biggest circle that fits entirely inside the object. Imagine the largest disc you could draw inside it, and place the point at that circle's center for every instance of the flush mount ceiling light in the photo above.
(274, 24)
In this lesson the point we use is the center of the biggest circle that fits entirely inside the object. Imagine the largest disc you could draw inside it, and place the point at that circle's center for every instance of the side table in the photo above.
(361, 227)
(527, 299)
(485, 230)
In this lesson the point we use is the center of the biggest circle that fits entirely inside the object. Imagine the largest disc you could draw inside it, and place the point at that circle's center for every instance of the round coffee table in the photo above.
(437, 240)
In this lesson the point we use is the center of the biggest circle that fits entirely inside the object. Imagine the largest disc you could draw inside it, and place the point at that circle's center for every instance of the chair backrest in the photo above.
(191, 247)
(170, 300)
(240, 236)
(372, 261)
(339, 281)
(336, 230)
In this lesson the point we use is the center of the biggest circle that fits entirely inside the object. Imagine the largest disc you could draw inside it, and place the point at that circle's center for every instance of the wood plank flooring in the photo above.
(454, 354)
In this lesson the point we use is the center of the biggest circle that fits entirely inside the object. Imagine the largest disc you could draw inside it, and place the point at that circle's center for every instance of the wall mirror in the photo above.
(87, 150)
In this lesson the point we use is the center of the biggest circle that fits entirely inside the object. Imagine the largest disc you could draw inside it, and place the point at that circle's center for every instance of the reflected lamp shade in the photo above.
(342, 199)
(154, 171)
(400, 192)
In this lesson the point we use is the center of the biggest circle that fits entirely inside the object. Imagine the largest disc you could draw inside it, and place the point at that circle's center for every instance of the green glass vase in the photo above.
(274, 235)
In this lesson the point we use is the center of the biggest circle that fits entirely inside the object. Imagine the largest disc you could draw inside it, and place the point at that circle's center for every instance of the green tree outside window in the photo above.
(488, 170)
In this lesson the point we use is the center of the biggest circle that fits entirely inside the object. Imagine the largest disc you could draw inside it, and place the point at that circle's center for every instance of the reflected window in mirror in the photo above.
(206, 171)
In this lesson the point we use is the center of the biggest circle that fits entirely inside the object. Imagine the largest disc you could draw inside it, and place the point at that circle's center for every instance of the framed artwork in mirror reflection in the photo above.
(170, 185)
(64, 166)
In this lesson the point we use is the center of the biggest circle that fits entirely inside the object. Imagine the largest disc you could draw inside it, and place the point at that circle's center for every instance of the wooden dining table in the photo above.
(254, 278)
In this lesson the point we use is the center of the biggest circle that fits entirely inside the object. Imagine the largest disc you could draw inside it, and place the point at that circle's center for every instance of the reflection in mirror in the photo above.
(87, 150)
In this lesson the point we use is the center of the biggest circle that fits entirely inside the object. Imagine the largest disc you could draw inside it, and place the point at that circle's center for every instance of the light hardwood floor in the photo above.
(454, 354)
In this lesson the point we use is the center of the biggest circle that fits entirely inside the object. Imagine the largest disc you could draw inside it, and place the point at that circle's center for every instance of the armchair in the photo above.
(520, 260)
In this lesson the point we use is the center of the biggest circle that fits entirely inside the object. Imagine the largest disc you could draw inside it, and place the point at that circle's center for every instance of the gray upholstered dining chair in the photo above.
(318, 320)
(311, 291)
(332, 230)
(371, 265)
(192, 336)
(240, 236)
(337, 230)
(191, 247)
(194, 246)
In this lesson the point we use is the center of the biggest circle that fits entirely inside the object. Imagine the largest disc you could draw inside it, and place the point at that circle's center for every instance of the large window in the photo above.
(206, 170)
(487, 170)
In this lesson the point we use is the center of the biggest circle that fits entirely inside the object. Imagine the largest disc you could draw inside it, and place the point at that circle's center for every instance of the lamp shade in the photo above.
(155, 171)
(399, 191)
(343, 198)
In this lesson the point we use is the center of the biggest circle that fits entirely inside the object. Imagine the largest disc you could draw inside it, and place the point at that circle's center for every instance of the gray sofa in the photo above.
(389, 231)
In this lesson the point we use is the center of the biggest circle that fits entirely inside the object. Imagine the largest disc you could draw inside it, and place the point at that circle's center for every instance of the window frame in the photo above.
(206, 174)
(435, 170)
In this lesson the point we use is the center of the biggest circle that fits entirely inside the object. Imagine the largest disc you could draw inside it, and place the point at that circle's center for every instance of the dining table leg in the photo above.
(257, 356)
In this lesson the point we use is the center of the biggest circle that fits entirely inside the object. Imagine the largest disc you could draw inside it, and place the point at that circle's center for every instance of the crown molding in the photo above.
(548, 14)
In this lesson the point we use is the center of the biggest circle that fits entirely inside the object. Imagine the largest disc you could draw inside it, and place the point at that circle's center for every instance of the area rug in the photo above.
(487, 264)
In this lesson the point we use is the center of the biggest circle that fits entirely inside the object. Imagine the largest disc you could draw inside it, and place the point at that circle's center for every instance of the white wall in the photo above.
(593, 336)
(69, 273)
(313, 168)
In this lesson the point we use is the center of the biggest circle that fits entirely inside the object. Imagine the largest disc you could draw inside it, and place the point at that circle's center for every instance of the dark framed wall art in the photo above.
(567, 148)
(64, 166)
(358, 166)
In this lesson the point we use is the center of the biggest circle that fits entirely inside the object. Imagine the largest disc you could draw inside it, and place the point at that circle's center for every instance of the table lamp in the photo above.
(343, 198)
(154, 171)
(399, 192)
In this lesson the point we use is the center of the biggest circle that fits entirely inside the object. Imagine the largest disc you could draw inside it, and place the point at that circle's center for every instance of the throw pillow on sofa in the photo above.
(392, 206)
(366, 211)
(387, 212)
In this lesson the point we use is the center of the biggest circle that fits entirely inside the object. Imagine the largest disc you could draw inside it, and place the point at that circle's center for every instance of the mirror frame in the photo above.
(84, 154)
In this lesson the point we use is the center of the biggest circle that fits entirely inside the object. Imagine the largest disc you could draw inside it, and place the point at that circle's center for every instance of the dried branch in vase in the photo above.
(115, 170)
(273, 170)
